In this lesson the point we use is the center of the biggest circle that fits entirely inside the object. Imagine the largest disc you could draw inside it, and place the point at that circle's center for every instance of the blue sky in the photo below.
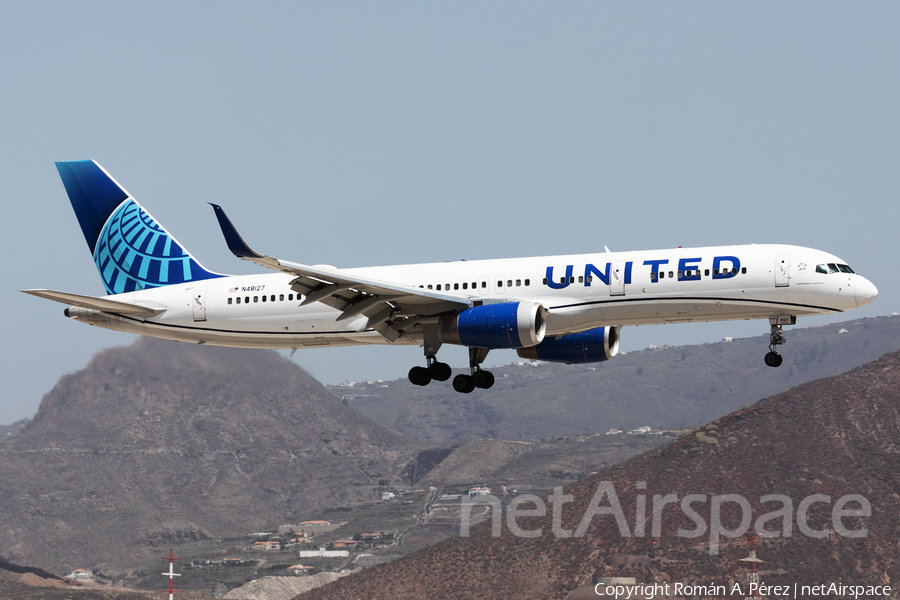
(359, 134)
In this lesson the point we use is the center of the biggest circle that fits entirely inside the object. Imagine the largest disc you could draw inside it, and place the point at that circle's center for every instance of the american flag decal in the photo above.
(232, 290)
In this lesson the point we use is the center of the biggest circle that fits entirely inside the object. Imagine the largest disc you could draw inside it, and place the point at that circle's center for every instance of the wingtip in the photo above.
(235, 242)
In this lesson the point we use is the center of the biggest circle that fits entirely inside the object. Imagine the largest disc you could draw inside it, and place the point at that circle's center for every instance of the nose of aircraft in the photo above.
(866, 292)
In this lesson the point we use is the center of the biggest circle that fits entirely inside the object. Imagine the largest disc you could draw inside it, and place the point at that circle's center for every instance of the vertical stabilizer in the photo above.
(130, 249)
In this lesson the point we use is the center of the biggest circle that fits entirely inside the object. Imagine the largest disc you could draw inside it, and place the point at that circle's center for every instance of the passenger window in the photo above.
(447, 286)
(706, 272)
(743, 270)
(509, 283)
(518, 283)
(484, 284)
(438, 287)
(562, 280)
(465, 286)
(545, 281)
(281, 298)
(256, 298)
(681, 274)
(430, 288)
(238, 299)
(500, 283)
(715, 271)
(662, 274)
(652, 276)
(229, 301)
(291, 296)
(528, 282)
(264, 298)
(455, 286)
(246, 299)
(272, 298)
(581, 279)
(734, 271)
(670, 274)
(572, 279)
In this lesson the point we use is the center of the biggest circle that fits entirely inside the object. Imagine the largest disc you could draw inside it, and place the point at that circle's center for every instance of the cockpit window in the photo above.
(833, 268)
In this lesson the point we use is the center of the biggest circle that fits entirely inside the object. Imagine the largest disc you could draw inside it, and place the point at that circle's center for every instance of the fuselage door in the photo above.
(312, 332)
(198, 304)
(500, 285)
(617, 279)
(783, 270)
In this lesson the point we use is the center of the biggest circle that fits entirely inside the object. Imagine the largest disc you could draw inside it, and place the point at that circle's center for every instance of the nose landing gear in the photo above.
(776, 338)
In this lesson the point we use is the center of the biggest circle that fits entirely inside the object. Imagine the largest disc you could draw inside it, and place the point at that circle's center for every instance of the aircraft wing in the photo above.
(101, 304)
(384, 303)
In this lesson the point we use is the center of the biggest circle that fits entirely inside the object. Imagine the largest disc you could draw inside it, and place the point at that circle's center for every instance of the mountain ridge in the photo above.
(665, 388)
(157, 443)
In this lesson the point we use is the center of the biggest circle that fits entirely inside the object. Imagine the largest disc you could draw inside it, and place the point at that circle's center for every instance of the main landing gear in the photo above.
(478, 378)
(776, 338)
(435, 370)
(465, 384)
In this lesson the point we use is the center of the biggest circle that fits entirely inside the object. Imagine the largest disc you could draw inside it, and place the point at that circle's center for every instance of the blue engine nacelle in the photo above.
(594, 345)
(507, 325)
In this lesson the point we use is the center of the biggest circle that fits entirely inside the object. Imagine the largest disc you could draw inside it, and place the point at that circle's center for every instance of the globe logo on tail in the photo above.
(134, 252)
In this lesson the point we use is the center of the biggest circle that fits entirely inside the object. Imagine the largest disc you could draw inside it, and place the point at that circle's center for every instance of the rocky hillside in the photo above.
(665, 388)
(7, 431)
(160, 443)
(568, 458)
(820, 441)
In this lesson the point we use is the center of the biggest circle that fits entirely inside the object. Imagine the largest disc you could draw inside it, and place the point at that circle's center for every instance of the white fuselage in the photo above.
(579, 291)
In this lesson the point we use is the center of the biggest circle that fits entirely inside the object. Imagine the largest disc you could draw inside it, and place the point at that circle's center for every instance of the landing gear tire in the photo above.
(773, 359)
(440, 371)
(464, 384)
(419, 376)
(483, 379)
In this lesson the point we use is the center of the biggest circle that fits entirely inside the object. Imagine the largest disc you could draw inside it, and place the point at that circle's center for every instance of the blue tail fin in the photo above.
(131, 250)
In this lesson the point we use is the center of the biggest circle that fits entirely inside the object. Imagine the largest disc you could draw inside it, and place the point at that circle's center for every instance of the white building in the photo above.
(80, 574)
(323, 553)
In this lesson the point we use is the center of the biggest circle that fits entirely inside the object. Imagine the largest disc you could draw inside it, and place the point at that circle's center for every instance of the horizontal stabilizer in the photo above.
(101, 304)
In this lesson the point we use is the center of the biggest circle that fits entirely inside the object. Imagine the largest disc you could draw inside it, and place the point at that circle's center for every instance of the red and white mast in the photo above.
(171, 574)
(752, 575)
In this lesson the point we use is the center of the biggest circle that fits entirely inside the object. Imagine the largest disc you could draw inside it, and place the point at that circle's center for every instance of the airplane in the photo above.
(567, 309)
